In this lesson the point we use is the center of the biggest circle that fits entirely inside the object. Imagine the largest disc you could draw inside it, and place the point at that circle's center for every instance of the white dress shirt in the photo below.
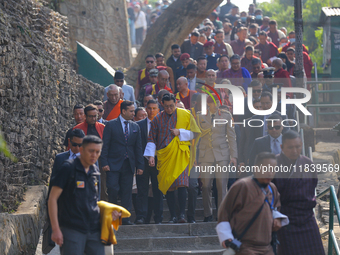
(71, 155)
(192, 83)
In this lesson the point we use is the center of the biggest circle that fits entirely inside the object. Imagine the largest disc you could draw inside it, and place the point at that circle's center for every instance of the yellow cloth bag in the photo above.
(174, 158)
(107, 224)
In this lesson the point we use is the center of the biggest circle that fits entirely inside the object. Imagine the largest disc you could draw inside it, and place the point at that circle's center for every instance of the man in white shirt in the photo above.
(140, 24)
(100, 107)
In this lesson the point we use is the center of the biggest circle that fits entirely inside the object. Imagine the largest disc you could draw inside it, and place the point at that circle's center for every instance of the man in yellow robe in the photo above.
(169, 139)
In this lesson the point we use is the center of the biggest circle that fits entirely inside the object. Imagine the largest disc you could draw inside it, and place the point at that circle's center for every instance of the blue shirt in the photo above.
(272, 143)
(212, 61)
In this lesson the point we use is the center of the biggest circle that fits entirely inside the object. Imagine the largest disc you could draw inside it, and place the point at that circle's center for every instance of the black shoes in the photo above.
(173, 220)
(208, 219)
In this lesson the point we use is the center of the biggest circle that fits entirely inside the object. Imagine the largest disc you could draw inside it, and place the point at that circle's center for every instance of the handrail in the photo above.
(333, 202)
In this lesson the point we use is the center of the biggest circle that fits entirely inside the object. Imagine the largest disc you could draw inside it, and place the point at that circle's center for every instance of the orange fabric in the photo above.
(115, 111)
(99, 127)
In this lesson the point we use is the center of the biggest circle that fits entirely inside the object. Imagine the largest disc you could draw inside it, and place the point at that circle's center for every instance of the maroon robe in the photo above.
(268, 50)
(283, 77)
(297, 195)
(275, 37)
(238, 47)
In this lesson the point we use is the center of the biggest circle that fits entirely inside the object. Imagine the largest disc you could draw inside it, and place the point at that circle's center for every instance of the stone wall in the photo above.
(38, 90)
(101, 25)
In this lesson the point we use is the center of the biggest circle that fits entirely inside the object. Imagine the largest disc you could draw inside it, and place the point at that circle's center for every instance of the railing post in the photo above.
(331, 222)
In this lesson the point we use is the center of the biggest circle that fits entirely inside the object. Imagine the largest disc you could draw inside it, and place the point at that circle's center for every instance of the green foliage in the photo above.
(5, 150)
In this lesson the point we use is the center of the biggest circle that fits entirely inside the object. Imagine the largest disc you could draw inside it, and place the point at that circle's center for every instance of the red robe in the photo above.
(99, 127)
(282, 76)
(284, 48)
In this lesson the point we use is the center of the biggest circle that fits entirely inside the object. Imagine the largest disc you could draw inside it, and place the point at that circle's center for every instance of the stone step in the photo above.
(199, 215)
(169, 243)
(186, 252)
(166, 230)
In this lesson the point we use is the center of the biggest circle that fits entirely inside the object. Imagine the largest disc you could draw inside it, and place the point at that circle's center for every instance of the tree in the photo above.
(173, 26)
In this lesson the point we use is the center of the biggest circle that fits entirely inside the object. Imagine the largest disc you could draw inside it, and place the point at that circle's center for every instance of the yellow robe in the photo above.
(175, 158)
(107, 224)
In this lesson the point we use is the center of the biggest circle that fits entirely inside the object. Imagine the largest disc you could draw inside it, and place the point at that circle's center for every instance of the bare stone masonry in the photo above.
(38, 90)
(101, 25)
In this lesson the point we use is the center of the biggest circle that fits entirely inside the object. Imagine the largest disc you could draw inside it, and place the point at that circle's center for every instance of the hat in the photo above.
(184, 56)
(210, 100)
(119, 75)
(208, 43)
(153, 72)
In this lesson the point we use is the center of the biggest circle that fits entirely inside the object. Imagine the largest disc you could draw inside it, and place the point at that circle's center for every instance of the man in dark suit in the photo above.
(149, 172)
(121, 155)
(269, 143)
(192, 46)
(100, 107)
(174, 60)
(74, 142)
(259, 131)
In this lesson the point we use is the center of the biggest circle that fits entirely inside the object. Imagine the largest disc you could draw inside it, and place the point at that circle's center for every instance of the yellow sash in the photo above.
(142, 75)
(174, 158)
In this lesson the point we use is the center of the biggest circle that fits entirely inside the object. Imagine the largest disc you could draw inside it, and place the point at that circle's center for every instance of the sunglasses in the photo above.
(119, 80)
(149, 61)
(100, 110)
(76, 144)
(257, 90)
(276, 127)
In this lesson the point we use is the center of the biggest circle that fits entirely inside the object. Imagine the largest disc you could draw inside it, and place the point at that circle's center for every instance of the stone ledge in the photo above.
(19, 232)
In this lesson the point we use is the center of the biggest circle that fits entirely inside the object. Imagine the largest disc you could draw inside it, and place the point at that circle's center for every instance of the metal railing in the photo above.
(317, 104)
(333, 203)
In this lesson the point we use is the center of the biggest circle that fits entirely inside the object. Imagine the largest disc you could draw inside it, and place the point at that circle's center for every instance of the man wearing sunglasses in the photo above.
(271, 142)
(100, 108)
(74, 141)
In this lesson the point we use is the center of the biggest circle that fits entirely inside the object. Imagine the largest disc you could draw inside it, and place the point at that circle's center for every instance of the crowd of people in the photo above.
(143, 143)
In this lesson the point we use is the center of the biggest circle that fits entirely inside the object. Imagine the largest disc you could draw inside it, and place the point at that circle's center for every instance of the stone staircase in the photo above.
(186, 238)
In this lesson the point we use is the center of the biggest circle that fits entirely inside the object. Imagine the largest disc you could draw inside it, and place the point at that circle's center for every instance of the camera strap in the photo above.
(250, 223)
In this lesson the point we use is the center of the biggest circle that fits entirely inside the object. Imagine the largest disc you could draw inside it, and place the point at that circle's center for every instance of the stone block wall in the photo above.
(38, 90)
(101, 25)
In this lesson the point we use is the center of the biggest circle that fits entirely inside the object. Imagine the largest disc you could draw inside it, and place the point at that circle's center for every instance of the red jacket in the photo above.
(282, 76)
(99, 127)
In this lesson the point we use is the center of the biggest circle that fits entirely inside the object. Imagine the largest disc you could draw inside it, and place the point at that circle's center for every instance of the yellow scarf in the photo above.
(107, 224)
(143, 74)
(174, 158)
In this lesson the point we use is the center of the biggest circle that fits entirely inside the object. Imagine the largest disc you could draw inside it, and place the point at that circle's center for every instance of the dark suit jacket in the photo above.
(115, 147)
(256, 132)
(143, 125)
(261, 144)
(175, 65)
(186, 48)
(58, 162)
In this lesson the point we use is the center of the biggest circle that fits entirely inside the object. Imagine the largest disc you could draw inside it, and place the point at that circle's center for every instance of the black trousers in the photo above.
(139, 36)
(143, 191)
(120, 182)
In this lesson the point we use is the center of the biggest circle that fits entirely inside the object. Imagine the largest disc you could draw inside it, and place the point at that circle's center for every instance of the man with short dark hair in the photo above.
(75, 217)
(269, 143)
(182, 70)
(246, 61)
(220, 46)
(191, 76)
(210, 56)
(192, 46)
(257, 67)
(201, 67)
(174, 60)
(91, 126)
(140, 114)
(247, 198)
(150, 172)
(146, 99)
(122, 156)
(274, 33)
(79, 117)
(74, 143)
(100, 108)
(297, 195)
(239, 44)
(169, 129)
(268, 49)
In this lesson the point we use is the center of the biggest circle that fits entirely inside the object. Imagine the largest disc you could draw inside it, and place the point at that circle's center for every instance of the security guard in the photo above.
(217, 147)
(72, 205)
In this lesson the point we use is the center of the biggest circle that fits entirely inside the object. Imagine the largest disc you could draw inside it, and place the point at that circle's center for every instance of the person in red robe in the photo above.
(184, 95)
(268, 49)
(281, 75)
(112, 105)
(163, 79)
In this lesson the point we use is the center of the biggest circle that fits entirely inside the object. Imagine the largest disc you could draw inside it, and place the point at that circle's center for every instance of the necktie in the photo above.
(276, 147)
(74, 156)
(126, 134)
(212, 118)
